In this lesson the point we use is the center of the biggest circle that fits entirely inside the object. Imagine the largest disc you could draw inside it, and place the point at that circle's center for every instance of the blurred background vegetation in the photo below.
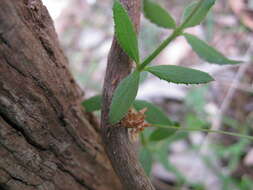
(193, 160)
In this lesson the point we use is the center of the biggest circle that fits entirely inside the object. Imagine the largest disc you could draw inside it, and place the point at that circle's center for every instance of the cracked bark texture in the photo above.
(119, 149)
(46, 141)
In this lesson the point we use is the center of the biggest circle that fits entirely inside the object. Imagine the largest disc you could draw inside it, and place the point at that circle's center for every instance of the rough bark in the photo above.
(46, 142)
(118, 147)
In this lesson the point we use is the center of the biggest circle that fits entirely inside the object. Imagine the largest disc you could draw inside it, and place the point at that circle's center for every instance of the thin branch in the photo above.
(116, 141)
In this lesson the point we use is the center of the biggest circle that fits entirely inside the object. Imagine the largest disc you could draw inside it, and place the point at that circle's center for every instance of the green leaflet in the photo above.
(161, 133)
(125, 31)
(200, 9)
(181, 75)
(145, 157)
(93, 103)
(123, 97)
(207, 52)
(157, 15)
(154, 115)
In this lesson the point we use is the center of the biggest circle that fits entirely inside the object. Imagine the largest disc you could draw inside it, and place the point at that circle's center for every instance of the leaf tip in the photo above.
(210, 78)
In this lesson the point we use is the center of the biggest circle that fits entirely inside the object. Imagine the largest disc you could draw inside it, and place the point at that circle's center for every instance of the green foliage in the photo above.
(125, 93)
(165, 129)
(93, 103)
(196, 12)
(125, 32)
(123, 97)
(180, 75)
(162, 155)
(145, 157)
(154, 115)
(246, 183)
(157, 15)
(207, 52)
(161, 134)
(193, 121)
(233, 153)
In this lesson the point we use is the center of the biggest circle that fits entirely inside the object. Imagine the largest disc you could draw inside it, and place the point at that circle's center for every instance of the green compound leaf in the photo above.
(157, 15)
(93, 103)
(207, 52)
(123, 97)
(145, 157)
(180, 75)
(154, 115)
(161, 134)
(201, 9)
(125, 31)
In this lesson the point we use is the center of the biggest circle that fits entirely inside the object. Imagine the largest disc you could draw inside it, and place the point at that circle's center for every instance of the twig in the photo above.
(116, 141)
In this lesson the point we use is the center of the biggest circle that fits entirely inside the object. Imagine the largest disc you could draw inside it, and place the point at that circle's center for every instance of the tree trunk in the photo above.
(46, 140)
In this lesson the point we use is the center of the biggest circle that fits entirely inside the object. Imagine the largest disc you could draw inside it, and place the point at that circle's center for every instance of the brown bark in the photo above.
(46, 142)
(118, 147)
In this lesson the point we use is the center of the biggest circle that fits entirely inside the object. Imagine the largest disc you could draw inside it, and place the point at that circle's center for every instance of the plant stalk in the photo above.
(163, 45)
(206, 130)
(177, 32)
